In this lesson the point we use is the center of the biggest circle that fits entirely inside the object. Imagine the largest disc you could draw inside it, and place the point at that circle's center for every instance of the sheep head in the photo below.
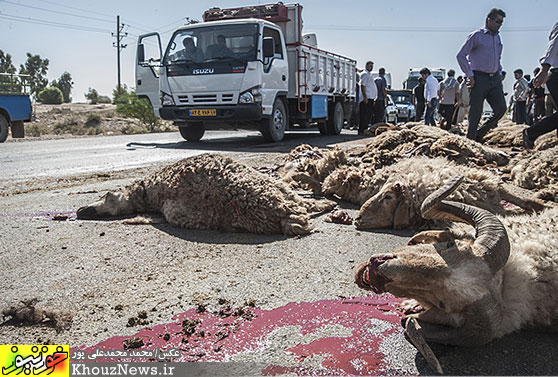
(111, 204)
(389, 208)
(437, 268)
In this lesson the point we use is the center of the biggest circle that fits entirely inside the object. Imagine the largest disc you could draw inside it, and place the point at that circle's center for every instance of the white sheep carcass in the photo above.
(396, 204)
(539, 171)
(212, 192)
(509, 134)
(472, 287)
(422, 140)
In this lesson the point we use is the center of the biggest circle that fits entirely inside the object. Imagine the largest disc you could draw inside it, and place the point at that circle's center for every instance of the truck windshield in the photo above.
(213, 43)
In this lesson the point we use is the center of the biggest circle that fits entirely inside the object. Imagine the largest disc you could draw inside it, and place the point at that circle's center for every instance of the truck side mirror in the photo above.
(141, 53)
(268, 47)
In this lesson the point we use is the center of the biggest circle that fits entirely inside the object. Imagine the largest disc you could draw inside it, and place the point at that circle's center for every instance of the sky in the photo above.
(76, 36)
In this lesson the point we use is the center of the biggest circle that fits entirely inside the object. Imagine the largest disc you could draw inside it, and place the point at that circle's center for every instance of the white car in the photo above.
(391, 111)
(403, 99)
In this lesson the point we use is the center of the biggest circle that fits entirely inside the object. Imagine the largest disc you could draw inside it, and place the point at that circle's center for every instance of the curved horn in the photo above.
(491, 241)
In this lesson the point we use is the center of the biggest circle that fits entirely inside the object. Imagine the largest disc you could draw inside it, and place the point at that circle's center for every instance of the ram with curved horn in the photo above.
(468, 288)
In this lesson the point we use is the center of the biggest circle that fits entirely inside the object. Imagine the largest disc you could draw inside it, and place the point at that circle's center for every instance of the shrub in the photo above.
(104, 99)
(93, 120)
(36, 129)
(92, 95)
(51, 96)
(139, 108)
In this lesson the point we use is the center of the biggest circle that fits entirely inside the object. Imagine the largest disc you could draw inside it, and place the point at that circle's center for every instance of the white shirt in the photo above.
(370, 88)
(520, 89)
(431, 88)
(551, 53)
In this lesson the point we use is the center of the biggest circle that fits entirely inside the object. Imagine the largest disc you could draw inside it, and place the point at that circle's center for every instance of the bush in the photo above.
(51, 96)
(92, 95)
(93, 120)
(104, 99)
(139, 108)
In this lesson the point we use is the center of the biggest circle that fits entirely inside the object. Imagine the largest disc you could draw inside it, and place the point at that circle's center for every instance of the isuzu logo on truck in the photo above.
(203, 71)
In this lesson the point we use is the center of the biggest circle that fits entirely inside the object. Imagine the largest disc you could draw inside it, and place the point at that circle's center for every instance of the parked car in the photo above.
(391, 111)
(403, 100)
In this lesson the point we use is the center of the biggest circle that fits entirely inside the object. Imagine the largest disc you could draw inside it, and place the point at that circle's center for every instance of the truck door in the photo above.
(148, 63)
(276, 73)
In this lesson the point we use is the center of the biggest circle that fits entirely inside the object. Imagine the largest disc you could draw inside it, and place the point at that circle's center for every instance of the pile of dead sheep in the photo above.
(389, 178)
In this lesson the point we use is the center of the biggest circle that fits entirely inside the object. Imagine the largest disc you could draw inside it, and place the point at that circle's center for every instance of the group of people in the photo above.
(371, 96)
(480, 60)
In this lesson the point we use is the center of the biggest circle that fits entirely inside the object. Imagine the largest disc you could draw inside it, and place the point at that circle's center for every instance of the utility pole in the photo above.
(119, 46)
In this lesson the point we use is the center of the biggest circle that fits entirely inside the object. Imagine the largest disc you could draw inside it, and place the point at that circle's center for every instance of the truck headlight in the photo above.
(166, 99)
(253, 95)
(246, 97)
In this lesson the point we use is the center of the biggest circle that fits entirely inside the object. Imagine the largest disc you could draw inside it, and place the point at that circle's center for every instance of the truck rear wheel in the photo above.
(335, 119)
(273, 128)
(3, 128)
(18, 130)
(191, 131)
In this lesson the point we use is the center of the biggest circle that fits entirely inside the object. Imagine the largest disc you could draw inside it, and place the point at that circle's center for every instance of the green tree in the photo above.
(92, 95)
(51, 96)
(6, 65)
(120, 97)
(65, 84)
(36, 68)
(131, 105)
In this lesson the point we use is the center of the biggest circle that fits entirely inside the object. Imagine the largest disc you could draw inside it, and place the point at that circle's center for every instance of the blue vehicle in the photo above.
(15, 105)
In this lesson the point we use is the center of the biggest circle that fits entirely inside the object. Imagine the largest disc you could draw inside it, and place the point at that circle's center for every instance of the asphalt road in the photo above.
(91, 268)
(55, 158)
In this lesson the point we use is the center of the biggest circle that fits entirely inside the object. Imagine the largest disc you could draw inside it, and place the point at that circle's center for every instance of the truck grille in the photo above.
(203, 99)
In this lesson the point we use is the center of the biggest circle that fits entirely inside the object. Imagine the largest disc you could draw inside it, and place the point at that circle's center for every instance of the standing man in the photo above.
(431, 88)
(537, 97)
(380, 103)
(449, 92)
(419, 100)
(520, 94)
(549, 62)
(369, 93)
(479, 58)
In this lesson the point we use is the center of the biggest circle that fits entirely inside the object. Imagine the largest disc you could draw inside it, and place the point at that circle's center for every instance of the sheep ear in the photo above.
(401, 219)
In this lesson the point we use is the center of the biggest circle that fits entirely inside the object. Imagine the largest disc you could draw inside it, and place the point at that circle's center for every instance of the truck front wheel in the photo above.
(335, 119)
(273, 128)
(3, 128)
(191, 131)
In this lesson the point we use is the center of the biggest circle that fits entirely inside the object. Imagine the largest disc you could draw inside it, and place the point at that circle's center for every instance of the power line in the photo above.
(416, 29)
(58, 12)
(51, 23)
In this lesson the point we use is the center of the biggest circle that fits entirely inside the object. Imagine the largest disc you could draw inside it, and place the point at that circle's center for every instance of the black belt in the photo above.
(481, 73)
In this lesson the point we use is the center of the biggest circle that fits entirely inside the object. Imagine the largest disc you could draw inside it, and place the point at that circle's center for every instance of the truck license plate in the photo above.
(203, 112)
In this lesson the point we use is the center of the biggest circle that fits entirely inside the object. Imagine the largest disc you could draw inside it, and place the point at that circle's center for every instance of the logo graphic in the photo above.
(204, 71)
(34, 360)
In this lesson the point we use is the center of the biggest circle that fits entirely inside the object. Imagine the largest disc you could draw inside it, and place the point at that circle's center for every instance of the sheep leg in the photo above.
(305, 178)
(413, 330)
(532, 205)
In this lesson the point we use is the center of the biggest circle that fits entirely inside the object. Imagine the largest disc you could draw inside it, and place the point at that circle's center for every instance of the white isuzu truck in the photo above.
(248, 67)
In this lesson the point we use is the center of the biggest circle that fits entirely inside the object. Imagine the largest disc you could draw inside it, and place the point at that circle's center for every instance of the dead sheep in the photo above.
(510, 134)
(537, 170)
(306, 167)
(212, 192)
(396, 204)
(429, 141)
(469, 288)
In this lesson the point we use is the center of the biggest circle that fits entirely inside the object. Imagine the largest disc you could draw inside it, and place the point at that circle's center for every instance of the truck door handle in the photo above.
(284, 78)
(139, 82)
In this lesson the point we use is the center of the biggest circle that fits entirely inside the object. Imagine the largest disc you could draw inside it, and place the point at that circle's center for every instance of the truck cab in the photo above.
(236, 70)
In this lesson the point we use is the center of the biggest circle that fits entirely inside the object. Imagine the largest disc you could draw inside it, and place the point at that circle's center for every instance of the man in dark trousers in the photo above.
(549, 62)
(380, 103)
(479, 58)
(369, 93)
(420, 102)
